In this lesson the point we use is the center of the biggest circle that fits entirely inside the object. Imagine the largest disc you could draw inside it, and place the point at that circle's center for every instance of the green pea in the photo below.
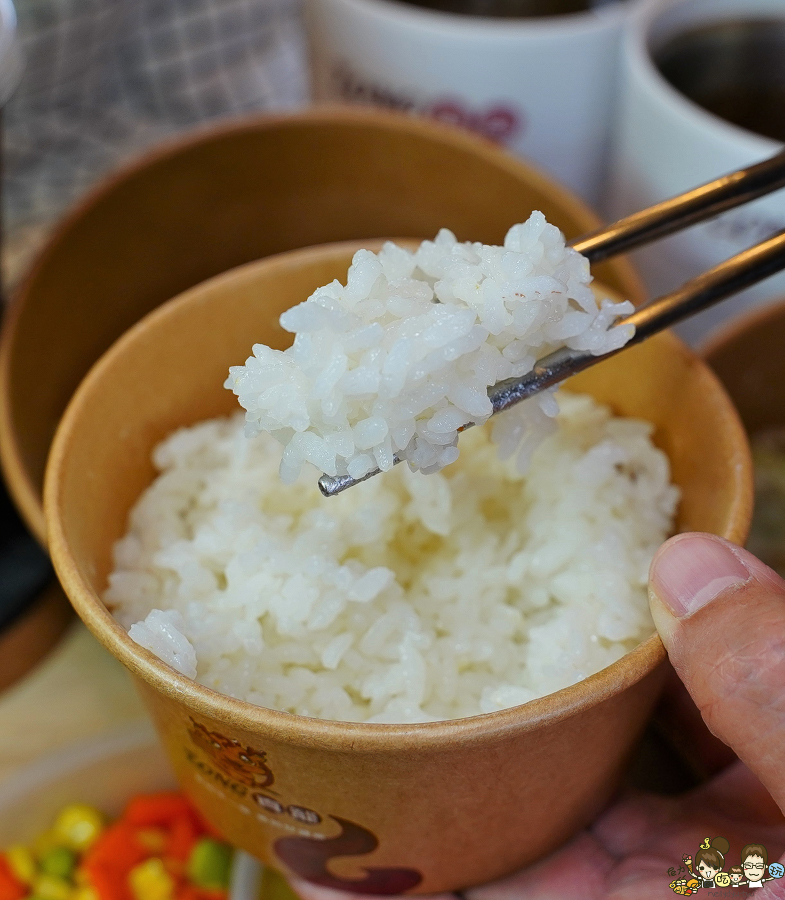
(209, 864)
(59, 862)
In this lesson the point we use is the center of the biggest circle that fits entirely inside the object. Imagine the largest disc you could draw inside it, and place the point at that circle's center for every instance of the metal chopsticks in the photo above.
(730, 277)
(678, 213)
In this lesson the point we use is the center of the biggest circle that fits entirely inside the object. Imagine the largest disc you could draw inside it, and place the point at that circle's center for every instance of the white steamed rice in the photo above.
(400, 359)
(408, 598)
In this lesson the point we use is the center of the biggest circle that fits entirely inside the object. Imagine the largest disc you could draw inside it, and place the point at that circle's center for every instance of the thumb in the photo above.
(721, 614)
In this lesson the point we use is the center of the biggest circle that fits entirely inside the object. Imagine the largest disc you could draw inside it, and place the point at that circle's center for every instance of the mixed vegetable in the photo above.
(159, 849)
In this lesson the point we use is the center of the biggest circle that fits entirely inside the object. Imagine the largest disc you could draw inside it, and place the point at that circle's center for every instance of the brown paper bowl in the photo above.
(371, 808)
(33, 633)
(221, 198)
(748, 356)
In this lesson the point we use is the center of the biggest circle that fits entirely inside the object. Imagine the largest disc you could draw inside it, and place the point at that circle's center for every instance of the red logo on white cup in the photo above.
(499, 124)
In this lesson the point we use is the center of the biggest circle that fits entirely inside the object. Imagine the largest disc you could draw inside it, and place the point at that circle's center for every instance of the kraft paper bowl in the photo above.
(227, 196)
(371, 808)
(34, 611)
(747, 355)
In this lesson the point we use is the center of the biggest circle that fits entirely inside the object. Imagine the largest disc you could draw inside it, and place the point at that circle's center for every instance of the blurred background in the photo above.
(102, 80)
(624, 101)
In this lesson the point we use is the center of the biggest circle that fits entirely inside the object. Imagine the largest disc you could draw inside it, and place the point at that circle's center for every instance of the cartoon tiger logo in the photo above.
(243, 764)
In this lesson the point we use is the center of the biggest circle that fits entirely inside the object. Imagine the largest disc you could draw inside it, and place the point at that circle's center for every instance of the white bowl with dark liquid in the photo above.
(702, 94)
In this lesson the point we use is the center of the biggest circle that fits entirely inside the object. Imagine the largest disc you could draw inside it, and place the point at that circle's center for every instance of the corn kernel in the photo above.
(150, 881)
(77, 826)
(22, 863)
(85, 893)
(48, 887)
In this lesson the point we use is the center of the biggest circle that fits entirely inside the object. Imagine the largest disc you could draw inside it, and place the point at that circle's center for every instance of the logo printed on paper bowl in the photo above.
(308, 857)
(243, 764)
(705, 871)
(238, 772)
(500, 122)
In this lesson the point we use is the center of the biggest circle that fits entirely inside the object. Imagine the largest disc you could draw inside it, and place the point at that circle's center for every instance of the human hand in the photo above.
(721, 615)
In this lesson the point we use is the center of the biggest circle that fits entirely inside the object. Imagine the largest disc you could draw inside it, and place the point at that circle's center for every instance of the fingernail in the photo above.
(690, 571)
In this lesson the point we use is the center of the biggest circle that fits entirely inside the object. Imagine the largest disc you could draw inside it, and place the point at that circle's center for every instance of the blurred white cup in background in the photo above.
(543, 86)
(10, 55)
(728, 55)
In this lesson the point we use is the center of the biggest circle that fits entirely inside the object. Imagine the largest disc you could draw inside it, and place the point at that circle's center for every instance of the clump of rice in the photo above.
(401, 358)
(407, 598)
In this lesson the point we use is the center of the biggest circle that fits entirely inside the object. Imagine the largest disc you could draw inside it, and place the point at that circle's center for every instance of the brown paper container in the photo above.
(33, 633)
(371, 808)
(748, 356)
(227, 196)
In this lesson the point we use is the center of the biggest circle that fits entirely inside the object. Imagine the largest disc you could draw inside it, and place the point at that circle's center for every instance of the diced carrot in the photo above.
(108, 884)
(164, 809)
(117, 849)
(110, 859)
(185, 892)
(175, 868)
(182, 838)
(157, 810)
(10, 886)
(153, 839)
(206, 828)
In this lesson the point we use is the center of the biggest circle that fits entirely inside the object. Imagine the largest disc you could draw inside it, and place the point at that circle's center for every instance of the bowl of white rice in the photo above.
(432, 679)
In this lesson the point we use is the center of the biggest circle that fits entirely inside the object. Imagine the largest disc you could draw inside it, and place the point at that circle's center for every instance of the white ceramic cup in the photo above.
(542, 87)
(10, 54)
(665, 144)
